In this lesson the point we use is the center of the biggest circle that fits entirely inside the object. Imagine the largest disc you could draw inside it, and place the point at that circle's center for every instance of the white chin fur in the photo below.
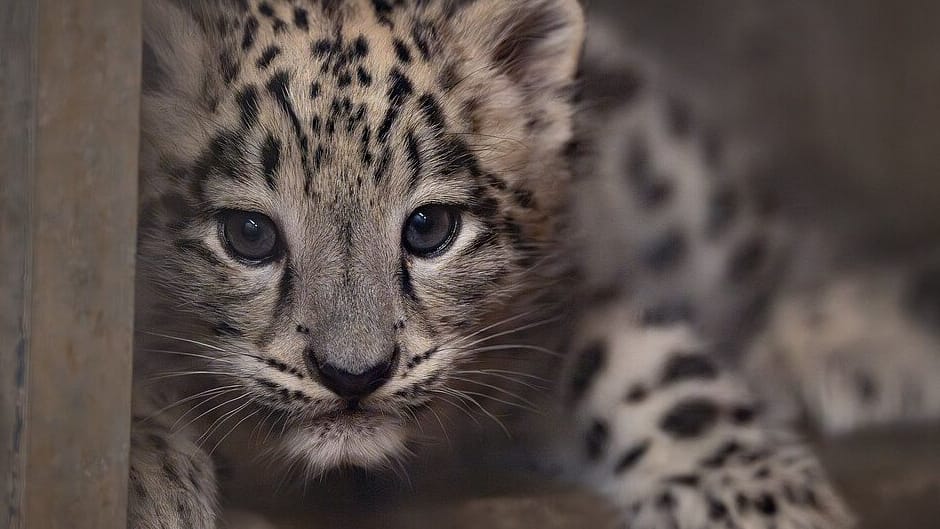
(346, 441)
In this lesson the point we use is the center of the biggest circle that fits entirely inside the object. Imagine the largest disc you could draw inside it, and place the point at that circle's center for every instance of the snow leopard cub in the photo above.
(346, 201)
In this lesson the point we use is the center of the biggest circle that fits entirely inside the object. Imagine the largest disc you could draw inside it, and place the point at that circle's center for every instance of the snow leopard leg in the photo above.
(860, 350)
(675, 441)
(172, 480)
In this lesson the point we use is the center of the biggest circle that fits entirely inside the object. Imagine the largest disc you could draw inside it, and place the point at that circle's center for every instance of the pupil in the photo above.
(251, 230)
(423, 223)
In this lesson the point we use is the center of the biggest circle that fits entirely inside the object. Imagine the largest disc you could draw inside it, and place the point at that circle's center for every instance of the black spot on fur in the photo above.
(636, 394)
(669, 313)
(666, 252)
(688, 366)
(382, 10)
(284, 288)
(432, 112)
(414, 159)
(270, 159)
(766, 504)
(407, 288)
(723, 206)
(654, 193)
(229, 66)
(747, 259)
(300, 18)
(743, 414)
(589, 362)
(690, 418)
(365, 79)
(596, 440)
(170, 472)
(865, 387)
(685, 480)
(742, 502)
(402, 51)
(666, 501)
(398, 90)
(721, 456)
(322, 48)
(631, 457)
(248, 37)
(419, 36)
(267, 56)
(716, 509)
(277, 86)
(247, 100)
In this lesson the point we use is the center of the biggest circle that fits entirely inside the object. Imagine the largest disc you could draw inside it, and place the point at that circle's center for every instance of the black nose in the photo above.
(353, 385)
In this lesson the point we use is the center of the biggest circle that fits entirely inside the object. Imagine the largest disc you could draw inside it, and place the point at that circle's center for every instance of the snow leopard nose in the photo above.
(350, 385)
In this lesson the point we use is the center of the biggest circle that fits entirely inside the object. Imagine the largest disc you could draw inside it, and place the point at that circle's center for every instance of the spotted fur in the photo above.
(676, 435)
(337, 120)
(856, 348)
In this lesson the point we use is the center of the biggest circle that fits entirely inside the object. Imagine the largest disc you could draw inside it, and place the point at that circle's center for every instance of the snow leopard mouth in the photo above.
(359, 437)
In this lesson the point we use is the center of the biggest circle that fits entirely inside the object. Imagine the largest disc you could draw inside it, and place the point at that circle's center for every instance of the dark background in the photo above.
(846, 92)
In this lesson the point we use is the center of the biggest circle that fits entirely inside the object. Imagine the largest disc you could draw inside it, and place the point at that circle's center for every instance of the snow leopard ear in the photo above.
(536, 43)
(175, 49)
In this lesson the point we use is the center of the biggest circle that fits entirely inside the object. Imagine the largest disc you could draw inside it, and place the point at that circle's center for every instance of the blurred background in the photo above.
(844, 91)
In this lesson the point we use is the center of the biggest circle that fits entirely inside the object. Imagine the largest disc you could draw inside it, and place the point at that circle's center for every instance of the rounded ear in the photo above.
(175, 48)
(536, 43)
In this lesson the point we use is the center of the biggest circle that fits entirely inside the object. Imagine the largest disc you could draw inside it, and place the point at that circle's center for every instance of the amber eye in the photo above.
(249, 235)
(431, 229)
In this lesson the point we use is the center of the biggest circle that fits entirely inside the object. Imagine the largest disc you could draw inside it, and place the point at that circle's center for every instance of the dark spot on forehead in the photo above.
(365, 78)
(247, 100)
(248, 37)
(322, 47)
(300, 18)
(360, 47)
(270, 159)
(229, 66)
(267, 56)
(402, 51)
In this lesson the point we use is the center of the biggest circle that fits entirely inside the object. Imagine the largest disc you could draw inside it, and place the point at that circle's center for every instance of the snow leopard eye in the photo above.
(250, 236)
(431, 229)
